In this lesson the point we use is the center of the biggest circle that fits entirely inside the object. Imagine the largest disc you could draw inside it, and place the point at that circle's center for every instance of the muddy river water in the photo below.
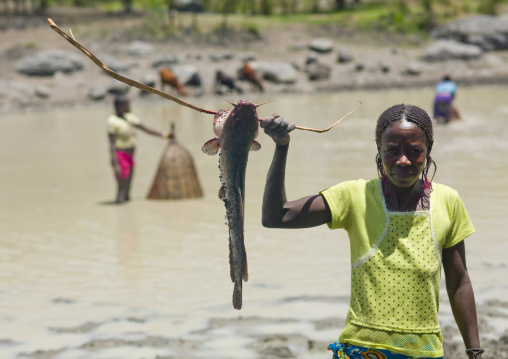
(80, 278)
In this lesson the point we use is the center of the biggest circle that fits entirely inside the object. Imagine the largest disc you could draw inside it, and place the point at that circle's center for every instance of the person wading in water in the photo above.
(122, 139)
(402, 228)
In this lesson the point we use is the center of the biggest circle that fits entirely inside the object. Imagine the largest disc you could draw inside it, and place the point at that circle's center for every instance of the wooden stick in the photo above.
(329, 128)
(146, 88)
(120, 77)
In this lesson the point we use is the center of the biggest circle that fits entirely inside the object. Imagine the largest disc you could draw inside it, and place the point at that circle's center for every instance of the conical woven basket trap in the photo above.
(176, 177)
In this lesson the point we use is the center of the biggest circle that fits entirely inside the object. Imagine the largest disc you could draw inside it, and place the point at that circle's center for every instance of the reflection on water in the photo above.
(67, 259)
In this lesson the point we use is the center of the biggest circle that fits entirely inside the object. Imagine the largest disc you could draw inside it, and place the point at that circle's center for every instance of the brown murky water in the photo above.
(75, 269)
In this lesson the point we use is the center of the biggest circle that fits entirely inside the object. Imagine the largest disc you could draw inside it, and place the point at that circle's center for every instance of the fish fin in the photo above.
(211, 147)
(237, 296)
(222, 192)
(256, 146)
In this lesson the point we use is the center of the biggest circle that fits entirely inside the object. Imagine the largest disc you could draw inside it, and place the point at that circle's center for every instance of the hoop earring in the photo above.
(382, 175)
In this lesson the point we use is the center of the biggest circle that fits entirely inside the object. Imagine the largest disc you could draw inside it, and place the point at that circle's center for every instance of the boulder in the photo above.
(443, 50)
(383, 66)
(249, 56)
(97, 92)
(150, 79)
(48, 62)
(343, 56)
(15, 94)
(14, 88)
(278, 72)
(140, 49)
(221, 56)
(42, 91)
(113, 63)
(322, 46)
(317, 71)
(118, 88)
(165, 61)
(359, 67)
(413, 69)
(487, 32)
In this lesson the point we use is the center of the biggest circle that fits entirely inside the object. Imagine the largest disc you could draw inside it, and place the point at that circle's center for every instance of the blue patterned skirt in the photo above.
(346, 351)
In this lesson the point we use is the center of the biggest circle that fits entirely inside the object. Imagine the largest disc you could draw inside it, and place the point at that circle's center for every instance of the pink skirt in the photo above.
(126, 163)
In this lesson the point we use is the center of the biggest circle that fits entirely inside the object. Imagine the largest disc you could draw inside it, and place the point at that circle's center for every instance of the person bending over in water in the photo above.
(401, 227)
(122, 138)
(444, 111)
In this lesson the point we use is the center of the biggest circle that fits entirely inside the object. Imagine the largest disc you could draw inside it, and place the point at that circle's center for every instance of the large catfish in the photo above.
(236, 130)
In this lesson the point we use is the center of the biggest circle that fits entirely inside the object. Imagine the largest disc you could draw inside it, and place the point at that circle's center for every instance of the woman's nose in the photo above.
(403, 161)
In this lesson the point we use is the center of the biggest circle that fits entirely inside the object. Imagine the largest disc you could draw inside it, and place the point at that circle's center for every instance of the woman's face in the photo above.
(403, 151)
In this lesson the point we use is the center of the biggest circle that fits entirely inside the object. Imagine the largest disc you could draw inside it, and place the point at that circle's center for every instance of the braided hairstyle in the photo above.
(422, 120)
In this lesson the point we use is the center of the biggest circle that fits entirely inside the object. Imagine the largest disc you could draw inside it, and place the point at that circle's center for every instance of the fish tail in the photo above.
(237, 295)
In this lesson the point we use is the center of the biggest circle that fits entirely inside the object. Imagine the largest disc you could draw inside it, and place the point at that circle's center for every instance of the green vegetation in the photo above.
(160, 19)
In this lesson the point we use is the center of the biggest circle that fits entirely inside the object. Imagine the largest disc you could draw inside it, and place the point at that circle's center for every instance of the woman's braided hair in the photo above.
(422, 120)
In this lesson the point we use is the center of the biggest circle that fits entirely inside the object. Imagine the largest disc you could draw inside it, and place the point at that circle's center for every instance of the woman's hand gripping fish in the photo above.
(236, 130)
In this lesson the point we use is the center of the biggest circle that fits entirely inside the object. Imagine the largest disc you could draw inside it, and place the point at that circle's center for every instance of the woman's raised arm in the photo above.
(277, 211)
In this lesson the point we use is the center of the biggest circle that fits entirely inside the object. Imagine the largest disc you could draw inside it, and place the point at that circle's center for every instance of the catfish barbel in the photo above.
(236, 130)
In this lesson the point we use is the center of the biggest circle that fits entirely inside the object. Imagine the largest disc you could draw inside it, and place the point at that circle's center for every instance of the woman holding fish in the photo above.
(122, 139)
(401, 227)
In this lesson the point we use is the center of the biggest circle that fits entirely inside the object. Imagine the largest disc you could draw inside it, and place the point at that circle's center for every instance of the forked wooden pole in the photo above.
(329, 128)
(146, 88)
(119, 77)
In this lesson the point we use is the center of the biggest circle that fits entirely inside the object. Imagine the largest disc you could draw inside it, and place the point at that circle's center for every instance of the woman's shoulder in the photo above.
(359, 186)
(443, 191)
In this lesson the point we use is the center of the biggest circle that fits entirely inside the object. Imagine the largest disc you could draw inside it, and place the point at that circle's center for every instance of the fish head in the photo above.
(240, 127)
(243, 116)
(218, 122)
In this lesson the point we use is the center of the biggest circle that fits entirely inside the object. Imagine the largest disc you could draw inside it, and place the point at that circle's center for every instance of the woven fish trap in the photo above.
(176, 177)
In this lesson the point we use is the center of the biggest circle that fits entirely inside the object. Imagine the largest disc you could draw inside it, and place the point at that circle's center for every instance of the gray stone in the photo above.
(42, 91)
(321, 45)
(359, 67)
(343, 56)
(278, 72)
(48, 62)
(221, 56)
(317, 71)
(443, 50)
(383, 67)
(250, 56)
(8, 88)
(97, 92)
(165, 61)
(150, 79)
(413, 69)
(117, 87)
(113, 63)
(140, 49)
(487, 32)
